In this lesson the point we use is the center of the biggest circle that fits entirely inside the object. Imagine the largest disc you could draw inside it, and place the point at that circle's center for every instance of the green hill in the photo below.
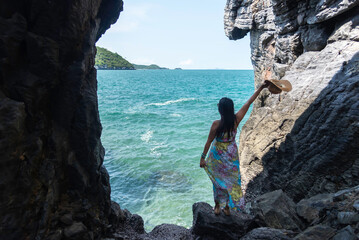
(106, 59)
(152, 66)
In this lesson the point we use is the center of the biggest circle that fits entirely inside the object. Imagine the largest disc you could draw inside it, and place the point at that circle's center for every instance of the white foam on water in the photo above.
(146, 137)
(154, 151)
(171, 102)
(135, 109)
(175, 115)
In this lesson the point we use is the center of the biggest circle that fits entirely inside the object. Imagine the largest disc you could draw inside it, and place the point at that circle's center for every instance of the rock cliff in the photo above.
(305, 141)
(53, 184)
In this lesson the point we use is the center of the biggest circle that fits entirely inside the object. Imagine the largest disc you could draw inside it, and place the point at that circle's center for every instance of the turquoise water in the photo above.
(155, 124)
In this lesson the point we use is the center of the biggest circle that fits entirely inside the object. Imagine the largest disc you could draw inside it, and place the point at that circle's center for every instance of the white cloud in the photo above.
(186, 62)
(131, 18)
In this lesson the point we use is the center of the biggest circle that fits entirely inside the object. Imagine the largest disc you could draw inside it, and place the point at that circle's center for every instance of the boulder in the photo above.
(317, 232)
(116, 216)
(133, 223)
(170, 232)
(348, 217)
(264, 233)
(311, 209)
(276, 210)
(67, 219)
(346, 233)
(75, 229)
(207, 225)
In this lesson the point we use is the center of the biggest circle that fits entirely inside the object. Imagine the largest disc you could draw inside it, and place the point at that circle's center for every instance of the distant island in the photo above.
(107, 60)
(152, 66)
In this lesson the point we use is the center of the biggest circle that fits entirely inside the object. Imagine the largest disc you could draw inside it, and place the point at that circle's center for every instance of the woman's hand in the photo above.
(202, 163)
(265, 84)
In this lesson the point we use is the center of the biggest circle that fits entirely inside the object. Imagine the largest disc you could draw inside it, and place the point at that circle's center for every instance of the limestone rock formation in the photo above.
(274, 215)
(209, 226)
(276, 210)
(305, 141)
(265, 233)
(53, 184)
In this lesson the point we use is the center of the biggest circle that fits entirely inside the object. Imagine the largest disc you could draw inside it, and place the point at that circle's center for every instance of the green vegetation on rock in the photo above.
(152, 66)
(106, 59)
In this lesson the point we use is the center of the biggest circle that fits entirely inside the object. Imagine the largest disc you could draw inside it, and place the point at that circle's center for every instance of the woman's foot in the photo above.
(217, 209)
(226, 211)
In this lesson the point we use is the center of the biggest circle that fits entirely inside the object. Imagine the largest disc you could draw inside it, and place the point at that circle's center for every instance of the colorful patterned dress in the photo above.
(222, 167)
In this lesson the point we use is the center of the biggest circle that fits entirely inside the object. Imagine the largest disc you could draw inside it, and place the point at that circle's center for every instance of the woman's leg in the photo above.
(226, 210)
(217, 208)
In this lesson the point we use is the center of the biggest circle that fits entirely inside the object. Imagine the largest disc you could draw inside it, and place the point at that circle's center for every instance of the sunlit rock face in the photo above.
(52, 181)
(305, 141)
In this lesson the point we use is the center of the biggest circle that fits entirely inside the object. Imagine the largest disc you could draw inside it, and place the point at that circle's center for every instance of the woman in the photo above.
(222, 164)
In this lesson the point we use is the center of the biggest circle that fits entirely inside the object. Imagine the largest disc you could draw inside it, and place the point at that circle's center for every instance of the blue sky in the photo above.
(187, 34)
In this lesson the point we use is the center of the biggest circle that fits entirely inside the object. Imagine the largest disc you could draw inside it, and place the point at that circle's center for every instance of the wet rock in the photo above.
(116, 216)
(276, 210)
(265, 233)
(75, 229)
(133, 223)
(317, 232)
(137, 224)
(310, 209)
(346, 233)
(207, 225)
(348, 217)
(170, 232)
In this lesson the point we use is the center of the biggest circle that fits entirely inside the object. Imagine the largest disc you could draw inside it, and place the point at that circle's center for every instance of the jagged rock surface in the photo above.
(306, 141)
(265, 233)
(275, 216)
(209, 226)
(276, 210)
(53, 184)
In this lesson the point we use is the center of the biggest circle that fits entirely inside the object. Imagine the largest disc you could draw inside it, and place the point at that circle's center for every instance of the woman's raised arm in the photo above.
(244, 109)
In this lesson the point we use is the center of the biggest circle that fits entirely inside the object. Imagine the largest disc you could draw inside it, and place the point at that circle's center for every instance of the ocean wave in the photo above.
(154, 149)
(146, 137)
(171, 102)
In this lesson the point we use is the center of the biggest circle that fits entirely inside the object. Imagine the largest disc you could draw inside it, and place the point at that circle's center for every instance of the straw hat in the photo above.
(277, 86)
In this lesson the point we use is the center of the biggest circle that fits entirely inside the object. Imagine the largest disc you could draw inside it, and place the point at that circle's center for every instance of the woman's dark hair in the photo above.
(228, 118)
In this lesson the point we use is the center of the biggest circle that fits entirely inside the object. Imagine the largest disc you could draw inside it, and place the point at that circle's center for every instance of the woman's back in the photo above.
(225, 138)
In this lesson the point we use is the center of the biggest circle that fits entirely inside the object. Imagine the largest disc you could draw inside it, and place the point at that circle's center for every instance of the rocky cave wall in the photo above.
(51, 156)
(305, 141)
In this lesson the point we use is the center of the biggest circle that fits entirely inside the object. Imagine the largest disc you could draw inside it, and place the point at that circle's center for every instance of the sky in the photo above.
(188, 34)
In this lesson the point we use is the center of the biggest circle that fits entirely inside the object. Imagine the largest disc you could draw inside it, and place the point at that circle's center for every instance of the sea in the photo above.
(155, 124)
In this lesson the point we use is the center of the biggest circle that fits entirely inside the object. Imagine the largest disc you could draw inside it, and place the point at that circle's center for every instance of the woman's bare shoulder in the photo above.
(215, 123)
